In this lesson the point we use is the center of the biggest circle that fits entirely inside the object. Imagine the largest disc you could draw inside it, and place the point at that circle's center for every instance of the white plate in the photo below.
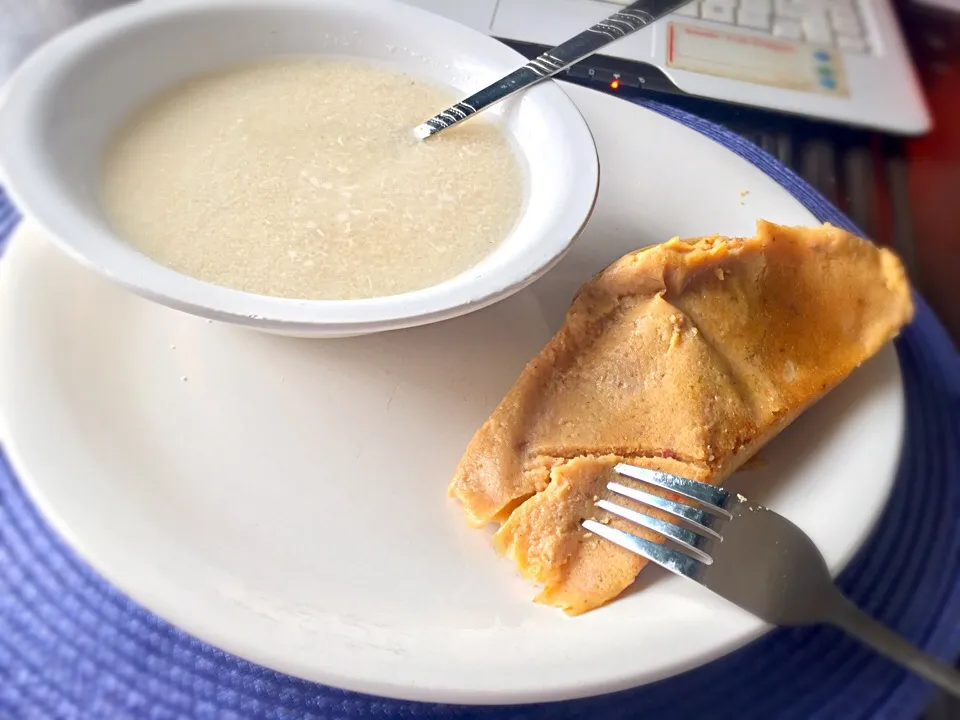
(286, 499)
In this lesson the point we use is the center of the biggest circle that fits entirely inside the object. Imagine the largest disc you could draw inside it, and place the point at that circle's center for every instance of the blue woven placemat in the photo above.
(71, 646)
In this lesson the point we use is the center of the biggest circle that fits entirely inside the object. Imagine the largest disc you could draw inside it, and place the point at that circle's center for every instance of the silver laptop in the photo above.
(838, 60)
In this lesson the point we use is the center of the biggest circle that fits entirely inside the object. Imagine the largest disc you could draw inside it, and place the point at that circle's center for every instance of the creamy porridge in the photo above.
(300, 178)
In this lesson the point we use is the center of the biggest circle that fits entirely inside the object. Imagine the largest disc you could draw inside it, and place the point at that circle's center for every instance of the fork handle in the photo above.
(848, 617)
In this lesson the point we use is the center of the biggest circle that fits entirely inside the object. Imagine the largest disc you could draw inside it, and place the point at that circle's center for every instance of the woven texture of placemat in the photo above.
(71, 646)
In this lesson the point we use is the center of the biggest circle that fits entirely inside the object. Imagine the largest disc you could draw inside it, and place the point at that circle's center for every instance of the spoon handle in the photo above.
(624, 22)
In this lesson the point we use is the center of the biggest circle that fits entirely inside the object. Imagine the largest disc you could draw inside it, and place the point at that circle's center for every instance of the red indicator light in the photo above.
(614, 84)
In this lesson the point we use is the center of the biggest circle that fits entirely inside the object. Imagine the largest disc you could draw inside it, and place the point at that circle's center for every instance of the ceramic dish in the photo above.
(66, 102)
(286, 500)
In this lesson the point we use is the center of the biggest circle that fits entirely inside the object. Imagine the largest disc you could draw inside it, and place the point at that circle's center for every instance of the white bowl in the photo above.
(65, 103)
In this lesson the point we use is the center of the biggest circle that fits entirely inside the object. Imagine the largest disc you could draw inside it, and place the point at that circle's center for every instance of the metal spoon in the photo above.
(622, 23)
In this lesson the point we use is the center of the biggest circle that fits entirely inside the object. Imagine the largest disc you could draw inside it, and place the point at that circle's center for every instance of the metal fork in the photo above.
(625, 21)
(754, 558)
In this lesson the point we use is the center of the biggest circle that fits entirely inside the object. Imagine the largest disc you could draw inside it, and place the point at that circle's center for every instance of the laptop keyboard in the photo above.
(832, 23)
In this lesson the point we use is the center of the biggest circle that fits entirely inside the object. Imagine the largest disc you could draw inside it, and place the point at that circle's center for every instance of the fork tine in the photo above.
(672, 560)
(686, 538)
(698, 518)
(709, 495)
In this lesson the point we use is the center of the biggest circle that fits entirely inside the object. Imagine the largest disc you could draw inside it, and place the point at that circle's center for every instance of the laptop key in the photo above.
(787, 28)
(753, 20)
(689, 10)
(717, 12)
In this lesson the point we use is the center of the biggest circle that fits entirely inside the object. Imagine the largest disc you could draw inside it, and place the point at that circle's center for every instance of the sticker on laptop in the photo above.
(762, 60)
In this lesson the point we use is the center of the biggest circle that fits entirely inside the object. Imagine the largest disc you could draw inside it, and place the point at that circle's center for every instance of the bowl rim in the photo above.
(30, 184)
